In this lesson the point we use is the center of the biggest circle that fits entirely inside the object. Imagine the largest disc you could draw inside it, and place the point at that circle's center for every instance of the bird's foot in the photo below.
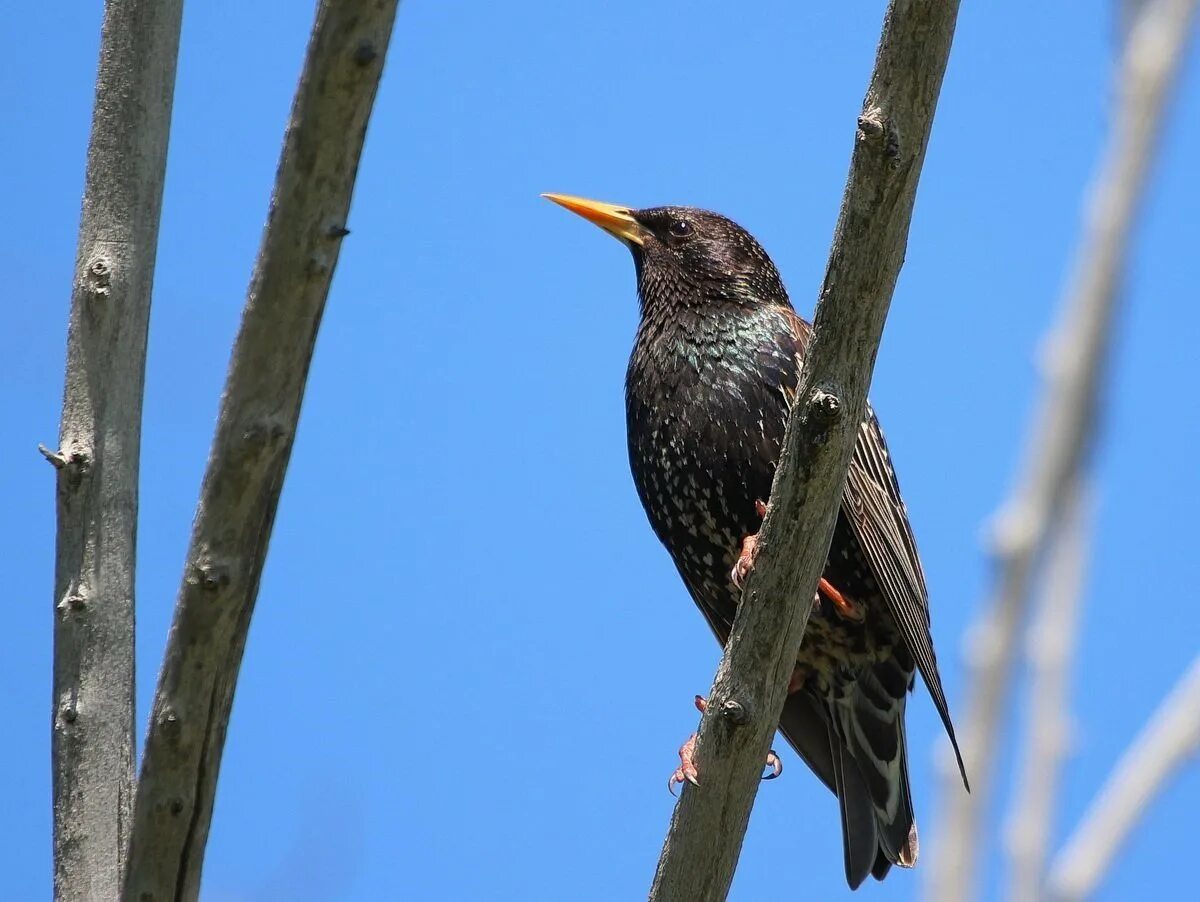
(745, 561)
(687, 773)
(775, 763)
(846, 608)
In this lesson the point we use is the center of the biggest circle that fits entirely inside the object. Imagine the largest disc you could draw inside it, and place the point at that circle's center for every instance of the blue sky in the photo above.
(471, 663)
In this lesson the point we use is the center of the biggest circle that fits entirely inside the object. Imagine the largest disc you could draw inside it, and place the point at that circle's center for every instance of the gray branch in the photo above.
(255, 430)
(1063, 433)
(92, 740)
(1166, 743)
(1053, 637)
(709, 823)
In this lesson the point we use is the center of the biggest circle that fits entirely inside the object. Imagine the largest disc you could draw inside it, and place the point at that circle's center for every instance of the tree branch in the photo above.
(255, 429)
(709, 823)
(1171, 738)
(1052, 642)
(92, 741)
(1063, 432)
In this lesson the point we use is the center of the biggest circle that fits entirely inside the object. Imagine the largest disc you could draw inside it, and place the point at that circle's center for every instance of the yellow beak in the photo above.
(617, 221)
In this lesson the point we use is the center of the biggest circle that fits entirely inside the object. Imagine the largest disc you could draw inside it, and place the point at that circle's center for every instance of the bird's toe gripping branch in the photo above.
(687, 773)
(745, 561)
(844, 607)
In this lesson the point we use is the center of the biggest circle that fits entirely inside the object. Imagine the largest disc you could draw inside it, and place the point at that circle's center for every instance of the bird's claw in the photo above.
(745, 561)
(687, 773)
(776, 765)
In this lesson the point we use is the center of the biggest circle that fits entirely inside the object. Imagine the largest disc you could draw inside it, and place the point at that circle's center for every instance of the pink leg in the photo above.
(745, 561)
(687, 773)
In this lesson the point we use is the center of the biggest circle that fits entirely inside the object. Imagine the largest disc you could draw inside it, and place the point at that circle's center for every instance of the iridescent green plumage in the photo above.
(708, 391)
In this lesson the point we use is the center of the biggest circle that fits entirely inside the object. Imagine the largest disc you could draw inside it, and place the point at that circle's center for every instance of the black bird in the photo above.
(709, 387)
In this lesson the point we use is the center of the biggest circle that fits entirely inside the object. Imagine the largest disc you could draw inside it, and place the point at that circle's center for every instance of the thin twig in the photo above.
(1170, 739)
(256, 426)
(1052, 642)
(92, 745)
(709, 823)
(1063, 432)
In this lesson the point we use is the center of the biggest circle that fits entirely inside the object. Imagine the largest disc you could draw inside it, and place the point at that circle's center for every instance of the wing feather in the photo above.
(872, 503)
(878, 518)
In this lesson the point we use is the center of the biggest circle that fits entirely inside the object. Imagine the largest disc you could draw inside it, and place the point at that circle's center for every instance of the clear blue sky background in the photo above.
(471, 663)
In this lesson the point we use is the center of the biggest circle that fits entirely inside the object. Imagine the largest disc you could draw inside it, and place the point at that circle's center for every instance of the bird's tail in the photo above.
(856, 745)
(868, 729)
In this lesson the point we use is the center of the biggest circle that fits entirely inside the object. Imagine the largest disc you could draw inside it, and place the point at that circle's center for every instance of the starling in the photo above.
(708, 390)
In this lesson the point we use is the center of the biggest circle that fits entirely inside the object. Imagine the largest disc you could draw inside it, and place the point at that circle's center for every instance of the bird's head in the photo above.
(687, 257)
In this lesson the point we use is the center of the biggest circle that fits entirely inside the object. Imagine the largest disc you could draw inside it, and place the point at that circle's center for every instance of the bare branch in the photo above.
(1063, 432)
(709, 823)
(1052, 641)
(92, 746)
(257, 422)
(1171, 738)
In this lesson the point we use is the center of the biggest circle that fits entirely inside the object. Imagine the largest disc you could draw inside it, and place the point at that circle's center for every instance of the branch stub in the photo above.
(825, 406)
(735, 712)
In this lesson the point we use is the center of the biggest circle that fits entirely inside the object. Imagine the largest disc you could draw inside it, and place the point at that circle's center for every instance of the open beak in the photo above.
(617, 221)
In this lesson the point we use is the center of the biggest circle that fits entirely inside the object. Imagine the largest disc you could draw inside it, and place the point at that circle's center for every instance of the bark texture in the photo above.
(705, 837)
(259, 411)
(92, 744)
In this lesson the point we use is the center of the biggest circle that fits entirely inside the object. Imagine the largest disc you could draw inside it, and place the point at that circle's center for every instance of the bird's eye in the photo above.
(681, 228)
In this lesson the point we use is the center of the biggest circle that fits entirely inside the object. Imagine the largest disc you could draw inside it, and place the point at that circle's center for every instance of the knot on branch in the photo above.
(824, 406)
(168, 724)
(208, 574)
(72, 465)
(262, 436)
(365, 54)
(56, 459)
(735, 713)
(1014, 531)
(72, 602)
(99, 276)
(877, 129)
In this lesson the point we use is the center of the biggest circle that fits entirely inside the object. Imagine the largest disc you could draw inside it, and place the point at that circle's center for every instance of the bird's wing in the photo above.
(872, 504)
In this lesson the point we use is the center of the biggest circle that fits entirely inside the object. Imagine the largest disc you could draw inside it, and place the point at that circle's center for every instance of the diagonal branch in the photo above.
(260, 408)
(709, 823)
(92, 741)
(1052, 641)
(1064, 429)
(1169, 740)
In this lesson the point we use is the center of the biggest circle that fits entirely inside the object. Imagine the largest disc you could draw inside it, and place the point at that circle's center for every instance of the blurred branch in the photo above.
(1077, 359)
(1052, 643)
(260, 408)
(1171, 738)
(709, 823)
(92, 741)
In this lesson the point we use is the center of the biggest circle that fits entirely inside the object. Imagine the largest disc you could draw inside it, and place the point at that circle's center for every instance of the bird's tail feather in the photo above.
(856, 745)
(860, 832)
(869, 722)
